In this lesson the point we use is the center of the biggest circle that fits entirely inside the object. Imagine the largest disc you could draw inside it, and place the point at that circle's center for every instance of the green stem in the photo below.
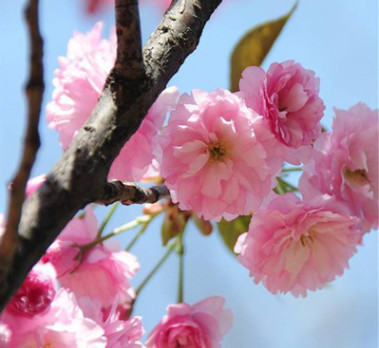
(107, 218)
(140, 232)
(279, 189)
(116, 231)
(180, 251)
(297, 169)
(286, 185)
(142, 219)
(156, 267)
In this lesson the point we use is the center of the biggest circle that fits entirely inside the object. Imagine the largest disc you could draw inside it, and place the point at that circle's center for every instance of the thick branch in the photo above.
(129, 63)
(34, 92)
(130, 193)
(175, 38)
(79, 177)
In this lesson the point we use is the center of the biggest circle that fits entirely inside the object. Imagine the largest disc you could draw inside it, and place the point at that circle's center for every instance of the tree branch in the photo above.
(129, 62)
(130, 193)
(34, 91)
(79, 177)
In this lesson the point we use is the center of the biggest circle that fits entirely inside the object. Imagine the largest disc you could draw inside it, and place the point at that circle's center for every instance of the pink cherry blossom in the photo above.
(295, 246)
(94, 6)
(216, 155)
(5, 336)
(201, 325)
(344, 163)
(102, 273)
(32, 300)
(36, 292)
(62, 326)
(81, 77)
(120, 333)
(287, 96)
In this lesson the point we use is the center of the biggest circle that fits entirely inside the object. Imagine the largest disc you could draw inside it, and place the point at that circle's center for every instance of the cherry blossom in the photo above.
(5, 336)
(201, 325)
(36, 292)
(287, 96)
(94, 6)
(120, 332)
(294, 246)
(81, 77)
(62, 326)
(217, 155)
(345, 164)
(101, 272)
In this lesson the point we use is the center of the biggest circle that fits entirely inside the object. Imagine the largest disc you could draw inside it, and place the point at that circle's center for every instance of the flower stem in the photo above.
(180, 252)
(156, 267)
(140, 232)
(145, 219)
(295, 169)
(286, 185)
(141, 219)
(279, 189)
(107, 218)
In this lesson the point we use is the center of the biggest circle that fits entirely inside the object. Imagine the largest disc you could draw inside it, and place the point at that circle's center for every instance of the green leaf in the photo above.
(231, 230)
(254, 46)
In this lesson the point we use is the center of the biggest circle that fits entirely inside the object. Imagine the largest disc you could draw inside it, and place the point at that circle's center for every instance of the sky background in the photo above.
(338, 39)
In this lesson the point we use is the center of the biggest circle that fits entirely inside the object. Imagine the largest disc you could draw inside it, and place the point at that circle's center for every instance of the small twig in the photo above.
(130, 193)
(34, 91)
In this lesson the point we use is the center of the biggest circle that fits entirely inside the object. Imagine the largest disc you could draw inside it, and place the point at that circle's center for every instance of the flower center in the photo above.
(357, 177)
(311, 235)
(217, 151)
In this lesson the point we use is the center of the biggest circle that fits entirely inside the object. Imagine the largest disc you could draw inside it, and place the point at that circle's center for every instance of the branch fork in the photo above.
(79, 176)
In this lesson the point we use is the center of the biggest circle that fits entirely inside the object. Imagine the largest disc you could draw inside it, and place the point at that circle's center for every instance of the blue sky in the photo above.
(337, 39)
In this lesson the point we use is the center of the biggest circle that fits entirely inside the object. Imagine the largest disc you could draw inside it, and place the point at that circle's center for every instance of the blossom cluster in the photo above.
(220, 155)
(81, 76)
(296, 245)
(74, 297)
(77, 296)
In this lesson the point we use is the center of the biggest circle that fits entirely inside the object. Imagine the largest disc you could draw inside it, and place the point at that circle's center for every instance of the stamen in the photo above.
(217, 151)
(310, 236)
(357, 177)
